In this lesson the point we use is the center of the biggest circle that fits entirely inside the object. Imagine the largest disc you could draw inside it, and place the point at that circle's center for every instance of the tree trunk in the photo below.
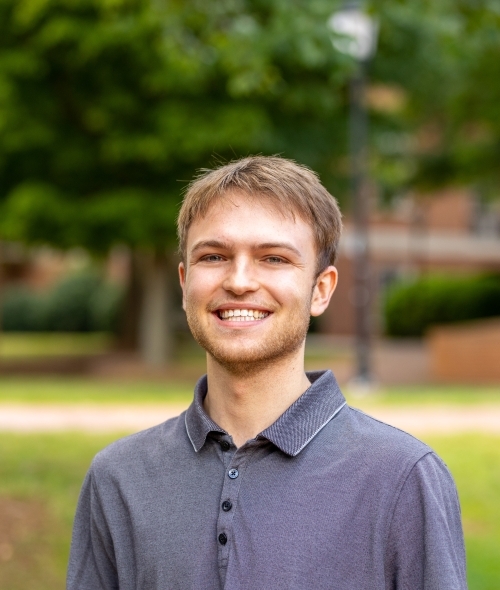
(155, 320)
(128, 332)
(1, 287)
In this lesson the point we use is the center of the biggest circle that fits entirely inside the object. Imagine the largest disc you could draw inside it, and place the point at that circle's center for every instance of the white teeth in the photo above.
(242, 315)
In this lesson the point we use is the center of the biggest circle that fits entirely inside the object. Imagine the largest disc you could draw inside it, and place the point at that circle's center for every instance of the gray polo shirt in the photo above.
(326, 497)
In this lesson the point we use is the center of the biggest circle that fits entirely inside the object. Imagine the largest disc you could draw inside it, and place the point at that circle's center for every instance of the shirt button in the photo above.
(226, 505)
(222, 539)
(233, 473)
(224, 445)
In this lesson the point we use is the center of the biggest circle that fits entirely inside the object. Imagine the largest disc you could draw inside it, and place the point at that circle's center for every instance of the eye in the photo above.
(212, 258)
(275, 260)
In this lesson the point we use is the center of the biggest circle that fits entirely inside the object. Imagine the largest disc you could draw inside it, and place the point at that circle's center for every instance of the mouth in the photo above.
(241, 315)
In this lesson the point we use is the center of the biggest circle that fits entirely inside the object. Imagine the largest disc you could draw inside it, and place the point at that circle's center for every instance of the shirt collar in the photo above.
(293, 430)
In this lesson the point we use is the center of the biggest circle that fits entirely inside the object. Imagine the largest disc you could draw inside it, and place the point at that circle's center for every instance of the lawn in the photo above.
(83, 390)
(40, 477)
(15, 345)
(58, 390)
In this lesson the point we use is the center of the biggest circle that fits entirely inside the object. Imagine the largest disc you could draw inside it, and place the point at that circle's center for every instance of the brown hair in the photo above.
(291, 187)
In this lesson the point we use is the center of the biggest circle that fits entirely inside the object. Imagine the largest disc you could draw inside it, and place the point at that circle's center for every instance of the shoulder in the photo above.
(393, 460)
(140, 451)
(376, 449)
(385, 437)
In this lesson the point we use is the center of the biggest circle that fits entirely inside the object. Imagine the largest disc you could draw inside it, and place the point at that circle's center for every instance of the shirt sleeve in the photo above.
(92, 564)
(425, 549)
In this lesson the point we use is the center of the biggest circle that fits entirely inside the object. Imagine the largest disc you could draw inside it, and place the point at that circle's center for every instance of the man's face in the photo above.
(249, 284)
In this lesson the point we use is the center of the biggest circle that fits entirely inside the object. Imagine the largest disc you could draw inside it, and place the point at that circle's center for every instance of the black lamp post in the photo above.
(356, 35)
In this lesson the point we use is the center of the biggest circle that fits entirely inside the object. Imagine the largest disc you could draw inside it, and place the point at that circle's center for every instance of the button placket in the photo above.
(225, 452)
(233, 476)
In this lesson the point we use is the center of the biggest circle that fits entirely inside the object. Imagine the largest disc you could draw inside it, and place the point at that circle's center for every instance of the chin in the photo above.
(244, 360)
(246, 364)
(241, 354)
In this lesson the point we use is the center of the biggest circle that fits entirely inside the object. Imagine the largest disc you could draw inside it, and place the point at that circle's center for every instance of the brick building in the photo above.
(444, 232)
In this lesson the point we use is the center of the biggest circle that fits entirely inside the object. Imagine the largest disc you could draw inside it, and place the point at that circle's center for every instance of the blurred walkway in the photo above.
(130, 418)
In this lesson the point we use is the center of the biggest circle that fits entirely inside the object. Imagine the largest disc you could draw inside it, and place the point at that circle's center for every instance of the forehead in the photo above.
(240, 217)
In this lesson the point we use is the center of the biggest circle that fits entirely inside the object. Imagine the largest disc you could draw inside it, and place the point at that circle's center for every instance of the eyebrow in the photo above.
(210, 244)
(279, 245)
(226, 246)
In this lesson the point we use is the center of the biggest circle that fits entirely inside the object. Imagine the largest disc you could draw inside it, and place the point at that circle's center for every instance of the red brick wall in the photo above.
(466, 353)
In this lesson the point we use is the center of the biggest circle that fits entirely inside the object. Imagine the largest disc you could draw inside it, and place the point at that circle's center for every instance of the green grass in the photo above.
(84, 390)
(42, 475)
(54, 390)
(15, 345)
(474, 461)
(426, 395)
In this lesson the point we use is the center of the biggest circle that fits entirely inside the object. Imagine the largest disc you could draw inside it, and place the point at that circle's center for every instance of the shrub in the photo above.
(105, 305)
(24, 311)
(81, 302)
(410, 308)
(69, 303)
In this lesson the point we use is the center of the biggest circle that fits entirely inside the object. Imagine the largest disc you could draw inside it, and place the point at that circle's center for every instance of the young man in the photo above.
(269, 480)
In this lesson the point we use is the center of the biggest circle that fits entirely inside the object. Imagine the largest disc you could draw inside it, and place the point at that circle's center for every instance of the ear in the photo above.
(323, 290)
(182, 281)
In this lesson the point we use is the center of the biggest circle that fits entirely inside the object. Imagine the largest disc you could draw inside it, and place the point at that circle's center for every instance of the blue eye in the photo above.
(275, 260)
(212, 258)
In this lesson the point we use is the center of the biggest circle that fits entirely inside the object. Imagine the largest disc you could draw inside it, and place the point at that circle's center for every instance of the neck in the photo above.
(245, 403)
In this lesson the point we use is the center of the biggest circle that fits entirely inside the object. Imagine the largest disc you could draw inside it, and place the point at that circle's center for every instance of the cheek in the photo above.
(200, 285)
(290, 291)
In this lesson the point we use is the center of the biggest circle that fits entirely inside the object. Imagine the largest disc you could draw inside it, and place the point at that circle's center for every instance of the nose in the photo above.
(241, 277)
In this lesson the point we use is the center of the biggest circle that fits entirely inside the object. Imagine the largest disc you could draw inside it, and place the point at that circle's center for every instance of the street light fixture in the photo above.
(355, 34)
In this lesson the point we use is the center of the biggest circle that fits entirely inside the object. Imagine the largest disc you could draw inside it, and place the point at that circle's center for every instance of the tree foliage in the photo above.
(444, 56)
(107, 107)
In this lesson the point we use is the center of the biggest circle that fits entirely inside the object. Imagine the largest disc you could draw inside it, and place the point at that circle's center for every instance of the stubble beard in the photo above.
(281, 343)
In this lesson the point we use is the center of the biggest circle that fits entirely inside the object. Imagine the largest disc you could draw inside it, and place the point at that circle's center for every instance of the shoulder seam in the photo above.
(429, 449)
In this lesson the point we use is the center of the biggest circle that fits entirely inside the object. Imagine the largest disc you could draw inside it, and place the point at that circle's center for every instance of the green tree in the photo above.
(443, 56)
(108, 106)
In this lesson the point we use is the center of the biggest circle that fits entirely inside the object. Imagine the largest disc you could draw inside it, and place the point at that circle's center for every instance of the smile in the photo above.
(242, 315)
